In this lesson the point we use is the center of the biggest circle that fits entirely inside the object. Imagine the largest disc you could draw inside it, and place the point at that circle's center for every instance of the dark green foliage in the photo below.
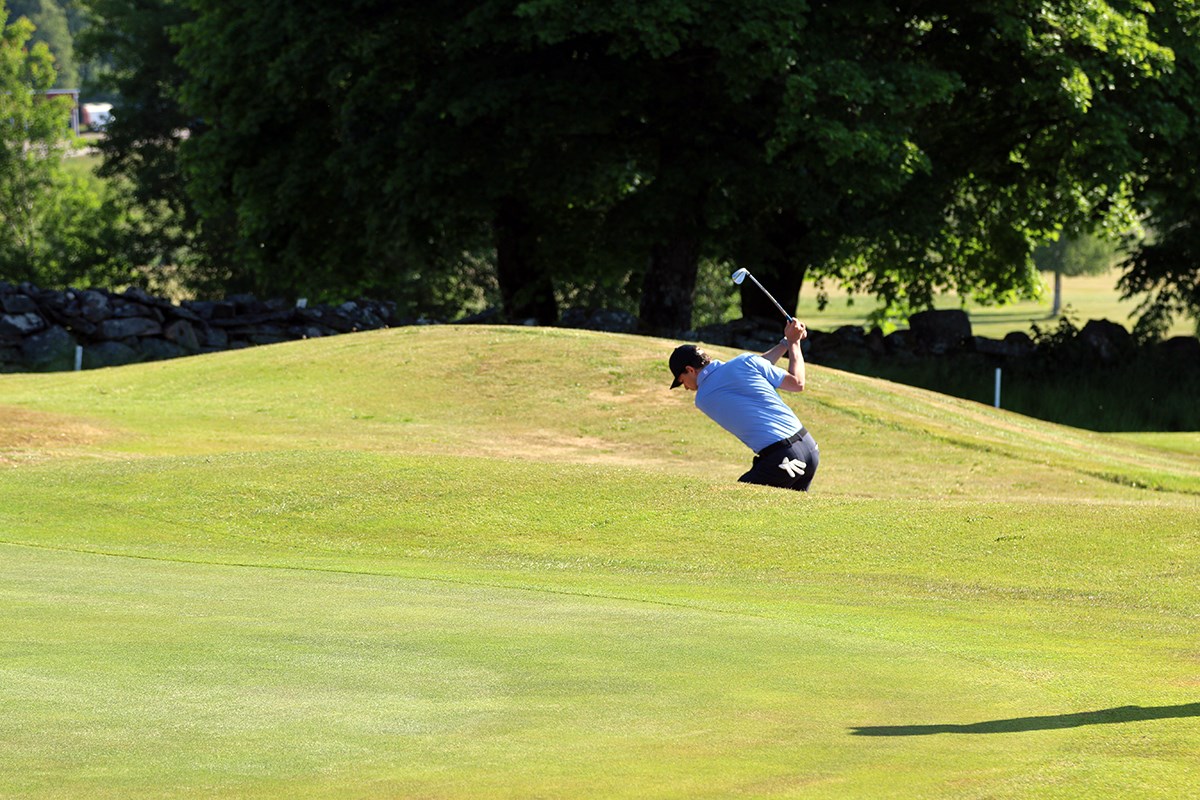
(52, 27)
(596, 151)
(297, 148)
(1166, 266)
(171, 242)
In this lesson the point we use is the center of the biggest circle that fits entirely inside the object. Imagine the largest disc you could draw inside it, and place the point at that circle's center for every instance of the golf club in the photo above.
(742, 274)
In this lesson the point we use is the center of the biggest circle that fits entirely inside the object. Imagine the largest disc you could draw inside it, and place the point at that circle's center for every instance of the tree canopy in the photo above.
(51, 27)
(598, 152)
(55, 226)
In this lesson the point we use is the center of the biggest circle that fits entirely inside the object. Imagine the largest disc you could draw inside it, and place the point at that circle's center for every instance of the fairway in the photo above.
(473, 562)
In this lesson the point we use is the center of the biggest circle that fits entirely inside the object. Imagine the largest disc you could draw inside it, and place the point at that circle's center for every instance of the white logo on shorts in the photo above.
(794, 467)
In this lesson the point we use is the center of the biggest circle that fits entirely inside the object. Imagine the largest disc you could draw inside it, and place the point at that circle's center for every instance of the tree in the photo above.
(283, 159)
(51, 27)
(1076, 255)
(1028, 126)
(54, 228)
(33, 133)
(141, 146)
(904, 149)
(1165, 266)
(378, 145)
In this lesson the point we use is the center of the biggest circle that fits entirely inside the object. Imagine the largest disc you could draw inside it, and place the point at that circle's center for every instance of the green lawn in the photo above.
(1084, 297)
(505, 562)
(83, 165)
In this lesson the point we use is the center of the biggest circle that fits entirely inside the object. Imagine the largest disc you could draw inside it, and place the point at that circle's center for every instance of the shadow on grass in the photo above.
(1108, 716)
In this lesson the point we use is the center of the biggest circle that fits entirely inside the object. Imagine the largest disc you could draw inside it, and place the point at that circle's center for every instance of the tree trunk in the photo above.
(1057, 294)
(666, 307)
(526, 291)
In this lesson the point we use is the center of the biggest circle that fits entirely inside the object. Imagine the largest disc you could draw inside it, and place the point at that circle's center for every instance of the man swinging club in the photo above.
(739, 395)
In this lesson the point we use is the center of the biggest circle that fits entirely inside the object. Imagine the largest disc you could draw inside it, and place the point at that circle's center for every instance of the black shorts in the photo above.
(789, 463)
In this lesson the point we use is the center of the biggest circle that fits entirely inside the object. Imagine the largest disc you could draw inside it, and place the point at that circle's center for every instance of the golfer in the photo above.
(739, 395)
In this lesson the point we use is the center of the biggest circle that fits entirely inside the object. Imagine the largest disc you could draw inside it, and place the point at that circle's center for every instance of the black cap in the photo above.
(686, 355)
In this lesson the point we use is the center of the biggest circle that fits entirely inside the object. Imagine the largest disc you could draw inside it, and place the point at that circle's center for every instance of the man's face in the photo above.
(688, 378)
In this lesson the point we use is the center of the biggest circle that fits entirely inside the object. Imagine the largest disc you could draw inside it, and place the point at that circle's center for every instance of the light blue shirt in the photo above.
(740, 395)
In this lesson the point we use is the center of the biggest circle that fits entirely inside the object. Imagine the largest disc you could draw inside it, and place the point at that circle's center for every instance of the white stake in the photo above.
(997, 387)
(78, 358)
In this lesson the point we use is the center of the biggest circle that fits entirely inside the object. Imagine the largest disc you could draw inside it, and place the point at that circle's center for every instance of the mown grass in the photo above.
(500, 562)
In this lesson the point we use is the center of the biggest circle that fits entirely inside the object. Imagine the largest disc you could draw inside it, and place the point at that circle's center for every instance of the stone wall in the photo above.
(40, 329)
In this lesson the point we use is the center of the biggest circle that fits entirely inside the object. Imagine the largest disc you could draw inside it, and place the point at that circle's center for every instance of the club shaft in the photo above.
(786, 315)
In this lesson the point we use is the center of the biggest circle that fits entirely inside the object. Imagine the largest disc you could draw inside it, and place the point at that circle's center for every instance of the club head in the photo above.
(740, 276)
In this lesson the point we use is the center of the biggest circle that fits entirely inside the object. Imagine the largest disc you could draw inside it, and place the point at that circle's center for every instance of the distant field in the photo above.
(1086, 297)
(84, 164)
(506, 562)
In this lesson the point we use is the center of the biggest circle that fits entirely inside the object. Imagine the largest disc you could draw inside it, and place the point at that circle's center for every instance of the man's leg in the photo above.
(790, 468)
(806, 450)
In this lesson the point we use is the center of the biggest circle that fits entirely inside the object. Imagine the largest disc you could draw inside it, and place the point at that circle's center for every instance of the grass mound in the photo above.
(508, 562)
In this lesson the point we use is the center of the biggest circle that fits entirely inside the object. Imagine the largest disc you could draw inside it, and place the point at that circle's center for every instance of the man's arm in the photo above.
(780, 350)
(777, 352)
(793, 335)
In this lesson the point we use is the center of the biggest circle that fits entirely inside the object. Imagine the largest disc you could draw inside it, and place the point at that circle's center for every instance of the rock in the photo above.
(201, 308)
(1019, 344)
(160, 349)
(1106, 339)
(224, 310)
(22, 324)
(874, 342)
(244, 321)
(179, 312)
(94, 306)
(183, 334)
(141, 296)
(602, 319)
(52, 350)
(265, 337)
(850, 335)
(990, 347)
(369, 320)
(487, 316)
(939, 332)
(123, 309)
(215, 338)
(80, 326)
(18, 304)
(109, 354)
(247, 304)
(898, 341)
(131, 326)
(1181, 350)
(338, 322)
(10, 357)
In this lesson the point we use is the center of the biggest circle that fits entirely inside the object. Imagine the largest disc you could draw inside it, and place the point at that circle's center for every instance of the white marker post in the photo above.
(78, 358)
(997, 387)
